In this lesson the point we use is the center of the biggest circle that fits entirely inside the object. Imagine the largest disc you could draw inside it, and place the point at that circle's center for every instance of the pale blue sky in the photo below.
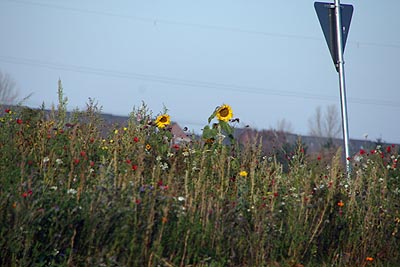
(267, 59)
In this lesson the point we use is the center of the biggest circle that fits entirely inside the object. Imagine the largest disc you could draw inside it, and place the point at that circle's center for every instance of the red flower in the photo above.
(91, 163)
(83, 154)
(27, 193)
(164, 187)
(19, 121)
(128, 161)
(135, 139)
(362, 151)
(138, 201)
(91, 140)
(176, 146)
(76, 161)
(348, 158)
(276, 194)
(134, 167)
(319, 157)
(7, 110)
(388, 149)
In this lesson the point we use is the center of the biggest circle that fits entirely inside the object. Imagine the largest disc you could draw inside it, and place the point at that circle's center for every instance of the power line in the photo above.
(195, 25)
(186, 82)
(164, 21)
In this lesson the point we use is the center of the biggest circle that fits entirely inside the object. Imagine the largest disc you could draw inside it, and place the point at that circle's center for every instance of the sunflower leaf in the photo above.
(226, 127)
(209, 133)
(213, 115)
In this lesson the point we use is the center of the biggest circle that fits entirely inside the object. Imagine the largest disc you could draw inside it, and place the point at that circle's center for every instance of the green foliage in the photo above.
(73, 194)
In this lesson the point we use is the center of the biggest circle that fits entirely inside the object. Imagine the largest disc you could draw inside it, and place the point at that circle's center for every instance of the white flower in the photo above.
(164, 166)
(72, 191)
(181, 199)
(195, 168)
(59, 161)
(53, 188)
(46, 159)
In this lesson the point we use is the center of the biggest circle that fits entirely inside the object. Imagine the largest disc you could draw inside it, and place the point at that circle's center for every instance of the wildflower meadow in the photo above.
(76, 193)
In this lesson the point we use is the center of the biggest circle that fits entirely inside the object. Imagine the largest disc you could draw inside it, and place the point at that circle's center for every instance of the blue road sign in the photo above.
(327, 19)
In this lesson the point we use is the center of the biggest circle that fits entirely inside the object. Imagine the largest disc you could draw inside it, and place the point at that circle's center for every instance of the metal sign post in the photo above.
(330, 18)
(342, 85)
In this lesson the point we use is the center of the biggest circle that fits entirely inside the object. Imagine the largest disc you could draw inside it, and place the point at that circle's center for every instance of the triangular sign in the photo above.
(327, 19)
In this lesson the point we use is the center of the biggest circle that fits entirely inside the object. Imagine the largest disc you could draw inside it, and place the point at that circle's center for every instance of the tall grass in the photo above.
(72, 196)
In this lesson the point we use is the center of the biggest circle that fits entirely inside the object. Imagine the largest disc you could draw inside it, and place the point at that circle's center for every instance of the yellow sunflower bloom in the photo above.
(224, 113)
(163, 120)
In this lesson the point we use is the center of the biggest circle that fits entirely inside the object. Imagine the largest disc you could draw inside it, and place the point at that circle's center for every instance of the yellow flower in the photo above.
(163, 120)
(224, 113)
(243, 174)
(148, 147)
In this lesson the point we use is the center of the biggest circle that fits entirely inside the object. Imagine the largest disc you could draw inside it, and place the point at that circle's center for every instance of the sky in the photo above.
(267, 59)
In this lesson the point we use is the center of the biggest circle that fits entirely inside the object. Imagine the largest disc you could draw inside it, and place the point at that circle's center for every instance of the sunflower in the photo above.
(163, 120)
(224, 113)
